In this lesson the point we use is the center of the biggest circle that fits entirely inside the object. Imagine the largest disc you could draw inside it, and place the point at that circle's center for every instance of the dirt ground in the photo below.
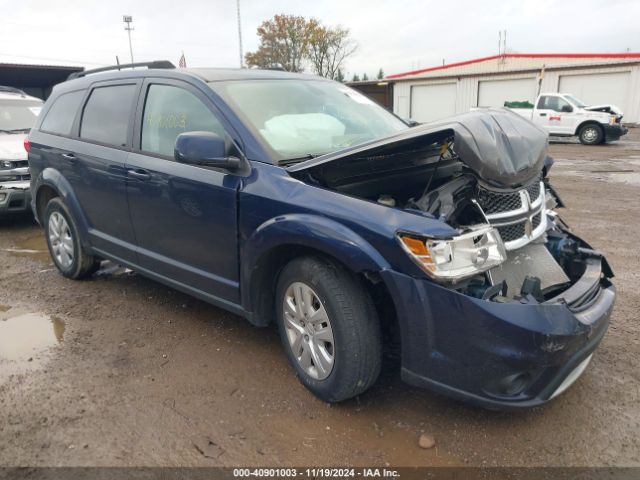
(119, 370)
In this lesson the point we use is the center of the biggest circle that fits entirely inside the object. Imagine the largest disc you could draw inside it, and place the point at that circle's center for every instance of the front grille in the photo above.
(13, 164)
(534, 190)
(493, 202)
(15, 178)
(512, 232)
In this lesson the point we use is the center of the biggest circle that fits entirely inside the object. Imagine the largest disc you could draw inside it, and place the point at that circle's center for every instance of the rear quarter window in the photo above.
(59, 119)
(106, 115)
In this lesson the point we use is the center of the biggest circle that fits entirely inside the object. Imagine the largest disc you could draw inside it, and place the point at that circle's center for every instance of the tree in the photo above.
(355, 78)
(365, 78)
(339, 76)
(328, 48)
(284, 43)
(380, 74)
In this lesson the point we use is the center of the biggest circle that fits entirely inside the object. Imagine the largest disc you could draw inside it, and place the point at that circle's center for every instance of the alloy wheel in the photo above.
(308, 330)
(61, 240)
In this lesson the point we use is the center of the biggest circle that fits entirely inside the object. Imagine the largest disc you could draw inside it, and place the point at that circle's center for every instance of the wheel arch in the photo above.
(588, 122)
(51, 184)
(278, 241)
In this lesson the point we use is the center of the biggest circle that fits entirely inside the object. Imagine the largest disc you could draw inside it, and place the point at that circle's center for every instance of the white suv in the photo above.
(18, 113)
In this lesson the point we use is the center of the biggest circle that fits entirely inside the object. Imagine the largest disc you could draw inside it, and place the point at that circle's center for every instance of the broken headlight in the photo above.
(456, 258)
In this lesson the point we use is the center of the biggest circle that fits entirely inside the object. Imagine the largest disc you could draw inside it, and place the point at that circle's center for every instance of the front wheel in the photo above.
(63, 240)
(591, 134)
(329, 328)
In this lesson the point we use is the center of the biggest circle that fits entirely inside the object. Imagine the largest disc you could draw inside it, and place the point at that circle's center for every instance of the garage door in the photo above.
(493, 93)
(433, 102)
(599, 88)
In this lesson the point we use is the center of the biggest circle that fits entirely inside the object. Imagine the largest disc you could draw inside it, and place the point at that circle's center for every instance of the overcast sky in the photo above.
(396, 35)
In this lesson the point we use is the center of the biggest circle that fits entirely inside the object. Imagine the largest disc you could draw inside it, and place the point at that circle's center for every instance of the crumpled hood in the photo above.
(606, 108)
(501, 147)
(12, 146)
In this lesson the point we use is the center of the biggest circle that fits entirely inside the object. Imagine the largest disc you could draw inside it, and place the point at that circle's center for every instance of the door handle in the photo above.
(543, 114)
(70, 156)
(139, 174)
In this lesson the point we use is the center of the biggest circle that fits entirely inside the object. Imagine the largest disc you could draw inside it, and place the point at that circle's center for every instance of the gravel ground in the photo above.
(121, 371)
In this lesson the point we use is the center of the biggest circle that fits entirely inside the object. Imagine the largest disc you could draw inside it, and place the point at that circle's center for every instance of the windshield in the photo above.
(302, 118)
(18, 115)
(575, 101)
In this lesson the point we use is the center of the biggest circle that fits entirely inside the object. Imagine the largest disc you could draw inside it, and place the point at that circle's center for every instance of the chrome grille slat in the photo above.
(518, 216)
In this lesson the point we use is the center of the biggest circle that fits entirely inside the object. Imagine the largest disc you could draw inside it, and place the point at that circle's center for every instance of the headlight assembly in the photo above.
(456, 258)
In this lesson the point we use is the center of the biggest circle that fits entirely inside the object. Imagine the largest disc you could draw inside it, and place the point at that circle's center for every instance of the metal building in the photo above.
(438, 92)
(36, 80)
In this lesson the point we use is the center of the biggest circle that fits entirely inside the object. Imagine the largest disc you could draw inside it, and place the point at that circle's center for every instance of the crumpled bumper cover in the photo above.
(468, 348)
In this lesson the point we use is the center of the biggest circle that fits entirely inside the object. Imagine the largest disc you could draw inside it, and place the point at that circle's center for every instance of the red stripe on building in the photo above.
(516, 55)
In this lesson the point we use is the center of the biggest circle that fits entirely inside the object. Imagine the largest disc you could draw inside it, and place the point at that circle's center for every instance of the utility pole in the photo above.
(239, 34)
(128, 19)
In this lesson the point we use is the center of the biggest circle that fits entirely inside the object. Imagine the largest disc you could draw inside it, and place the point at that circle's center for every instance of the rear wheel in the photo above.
(591, 134)
(329, 328)
(63, 240)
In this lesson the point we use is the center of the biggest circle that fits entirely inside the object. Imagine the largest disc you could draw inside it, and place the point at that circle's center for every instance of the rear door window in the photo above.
(107, 113)
(59, 119)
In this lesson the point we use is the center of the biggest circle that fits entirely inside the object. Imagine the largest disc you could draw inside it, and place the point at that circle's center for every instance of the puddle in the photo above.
(33, 247)
(26, 338)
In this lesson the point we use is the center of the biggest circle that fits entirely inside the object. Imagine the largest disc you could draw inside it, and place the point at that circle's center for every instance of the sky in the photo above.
(395, 35)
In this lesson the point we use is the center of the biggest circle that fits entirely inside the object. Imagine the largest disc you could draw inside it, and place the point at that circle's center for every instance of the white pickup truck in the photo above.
(561, 114)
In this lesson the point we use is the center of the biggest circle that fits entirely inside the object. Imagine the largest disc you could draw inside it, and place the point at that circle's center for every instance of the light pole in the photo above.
(128, 19)
(239, 34)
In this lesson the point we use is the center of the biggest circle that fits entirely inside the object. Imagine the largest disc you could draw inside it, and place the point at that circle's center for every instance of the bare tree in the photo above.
(328, 48)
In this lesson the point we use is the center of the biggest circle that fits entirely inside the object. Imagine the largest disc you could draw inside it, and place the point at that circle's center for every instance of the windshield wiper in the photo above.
(290, 161)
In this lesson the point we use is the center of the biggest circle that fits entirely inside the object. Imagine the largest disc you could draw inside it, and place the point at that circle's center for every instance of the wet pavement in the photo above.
(118, 370)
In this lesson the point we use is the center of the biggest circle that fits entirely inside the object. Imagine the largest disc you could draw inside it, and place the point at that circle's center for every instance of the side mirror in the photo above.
(204, 148)
(567, 108)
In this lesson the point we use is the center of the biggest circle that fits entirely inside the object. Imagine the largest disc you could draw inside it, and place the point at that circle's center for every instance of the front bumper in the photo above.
(502, 356)
(15, 197)
(614, 132)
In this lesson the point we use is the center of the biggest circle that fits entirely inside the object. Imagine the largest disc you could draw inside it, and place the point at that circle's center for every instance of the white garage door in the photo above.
(433, 102)
(493, 93)
(599, 88)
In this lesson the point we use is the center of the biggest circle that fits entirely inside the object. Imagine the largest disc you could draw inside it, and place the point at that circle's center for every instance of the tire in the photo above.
(591, 134)
(63, 240)
(350, 336)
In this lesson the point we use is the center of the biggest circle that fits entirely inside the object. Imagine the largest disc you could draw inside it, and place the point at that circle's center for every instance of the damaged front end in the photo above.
(513, 304)
(484, 174)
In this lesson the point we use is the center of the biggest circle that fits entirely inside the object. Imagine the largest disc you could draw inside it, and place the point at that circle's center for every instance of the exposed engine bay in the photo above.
(486, 175)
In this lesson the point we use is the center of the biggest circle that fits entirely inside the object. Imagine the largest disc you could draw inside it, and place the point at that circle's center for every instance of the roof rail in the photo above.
(165, 64)
(5, 88)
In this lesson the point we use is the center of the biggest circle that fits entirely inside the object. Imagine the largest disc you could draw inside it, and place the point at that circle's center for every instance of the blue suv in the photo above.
(293, 199)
